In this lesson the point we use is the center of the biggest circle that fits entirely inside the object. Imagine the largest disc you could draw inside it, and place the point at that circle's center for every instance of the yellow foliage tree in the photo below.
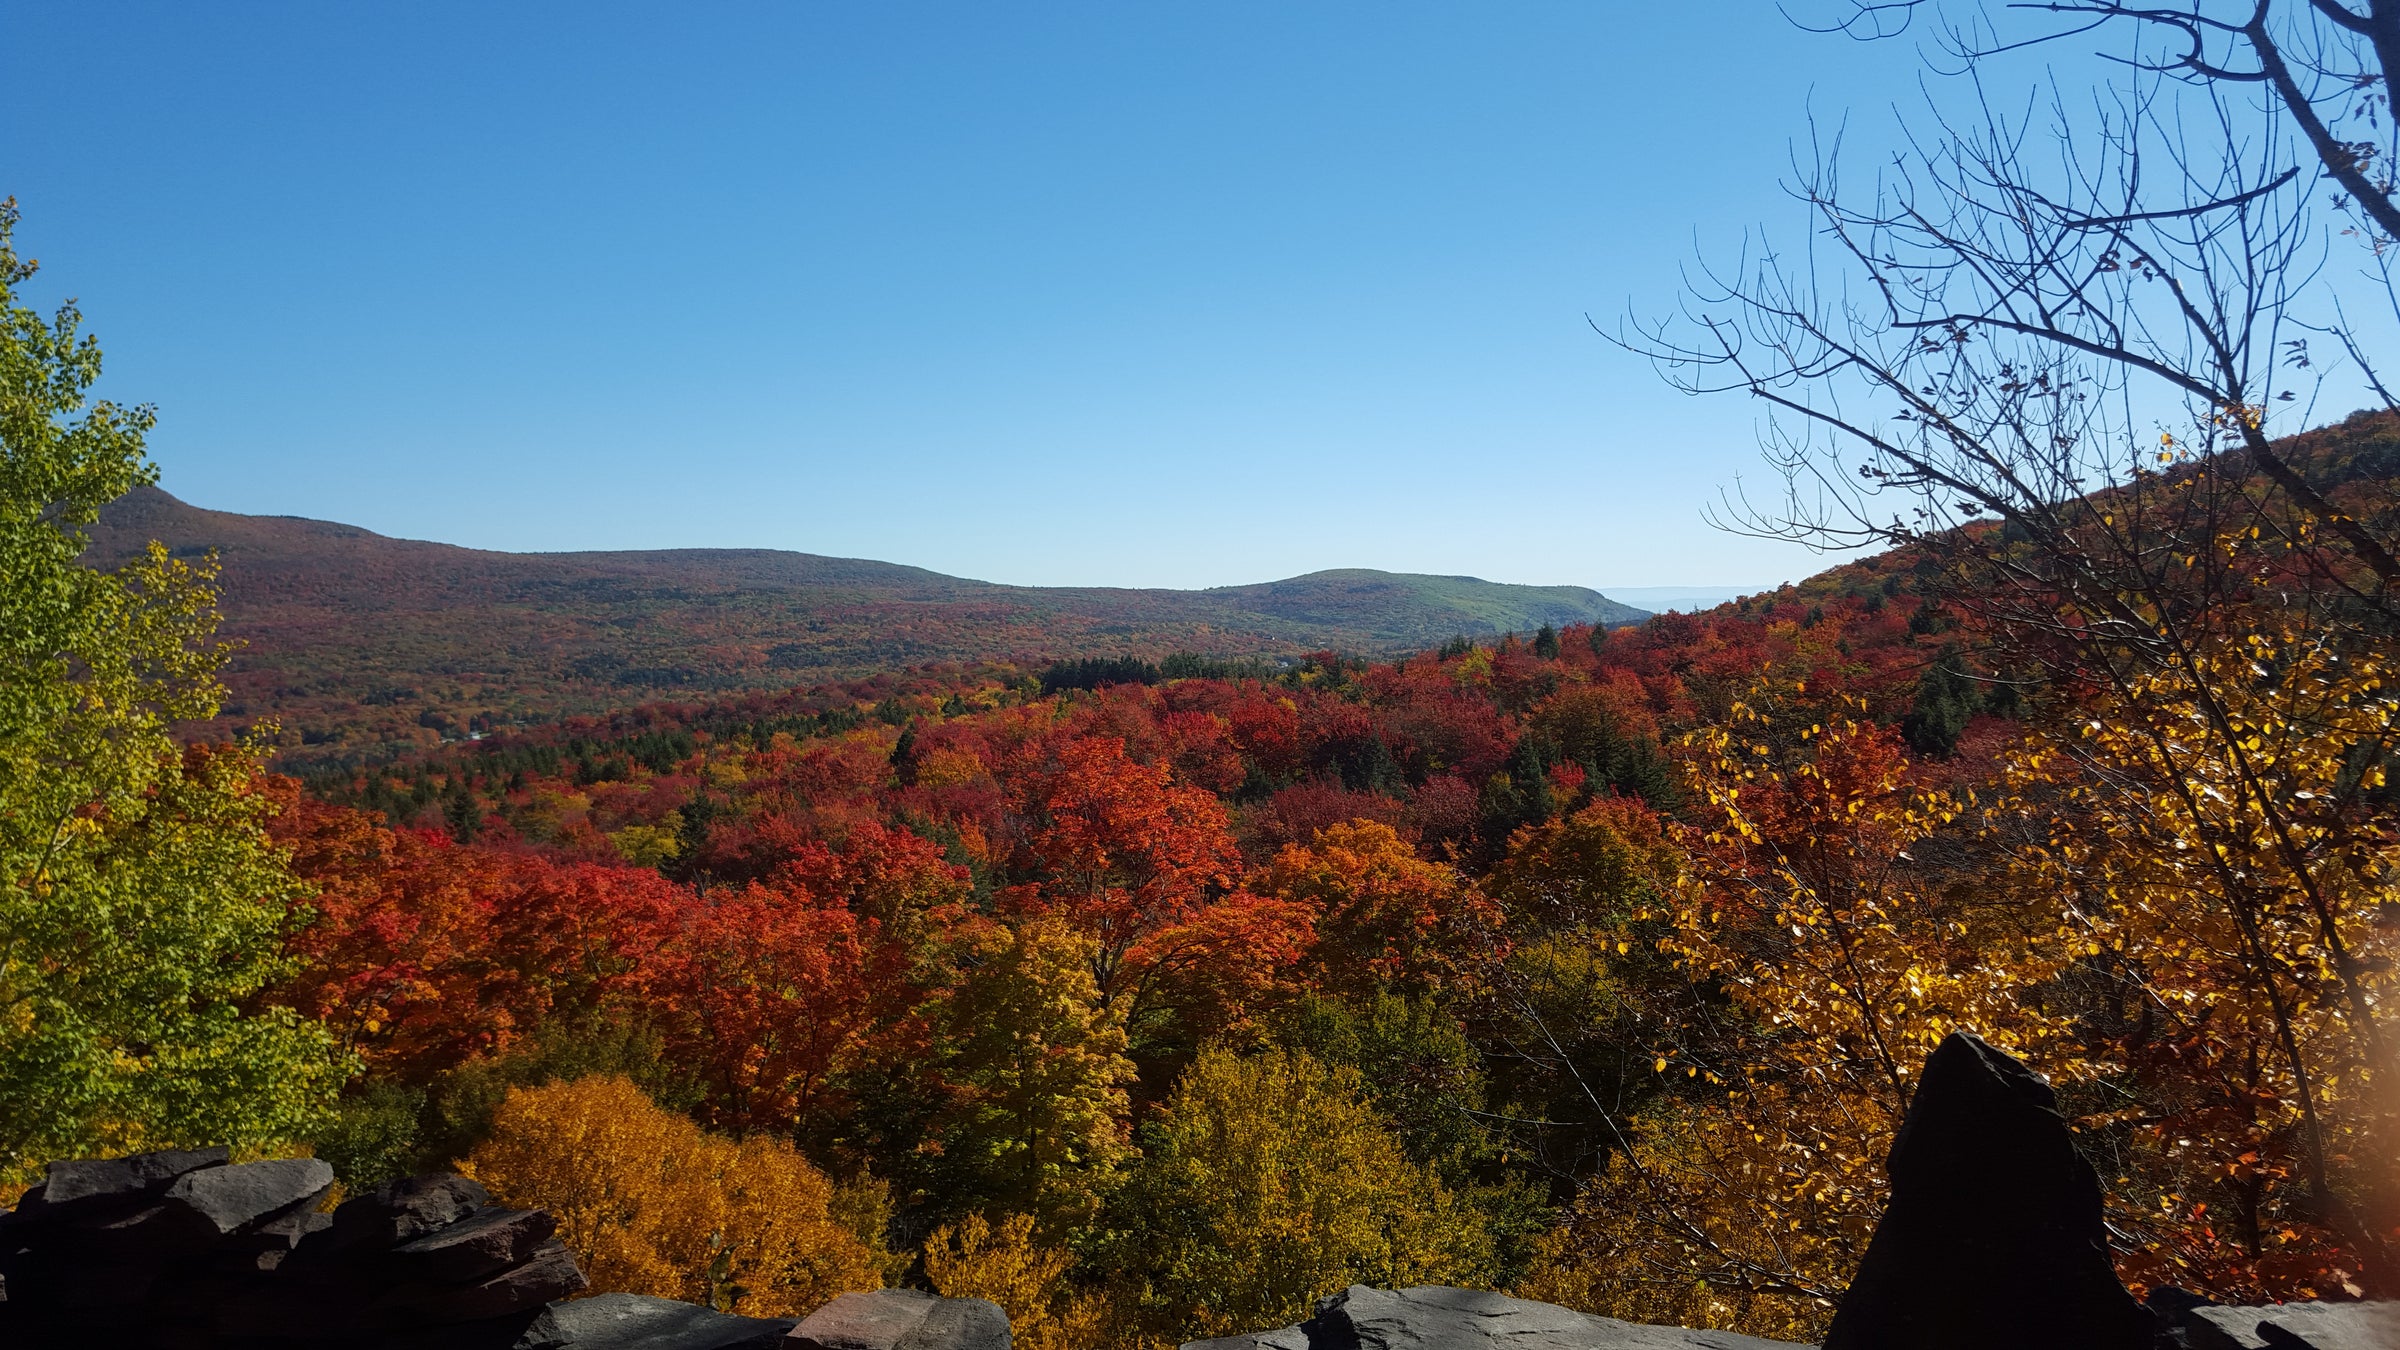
(1039, 1125)
(1745, 1192)
(1006, 1264)
(653, 1204)
(1266, 1184)
(2218, 839)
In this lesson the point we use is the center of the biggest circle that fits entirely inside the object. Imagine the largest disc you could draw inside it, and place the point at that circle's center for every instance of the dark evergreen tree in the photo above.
(462, 810)
(1946, 701)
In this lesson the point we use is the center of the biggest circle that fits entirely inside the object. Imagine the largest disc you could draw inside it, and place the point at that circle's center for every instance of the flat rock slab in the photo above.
(1432, 1317)
(637, 1322)
(2295, 1326)
(1281, 1338)
(551, 1274)
(902, 1319)
(227, 1200)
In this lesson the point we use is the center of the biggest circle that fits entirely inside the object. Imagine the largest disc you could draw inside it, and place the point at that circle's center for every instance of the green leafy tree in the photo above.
(1268, 1182)
(1420, 1072)
(141, 905)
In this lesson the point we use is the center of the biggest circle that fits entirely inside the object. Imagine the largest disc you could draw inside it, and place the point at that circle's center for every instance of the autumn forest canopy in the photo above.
(1154, 992)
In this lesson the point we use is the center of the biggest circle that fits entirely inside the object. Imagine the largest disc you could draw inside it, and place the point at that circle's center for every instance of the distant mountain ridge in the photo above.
(359, 643)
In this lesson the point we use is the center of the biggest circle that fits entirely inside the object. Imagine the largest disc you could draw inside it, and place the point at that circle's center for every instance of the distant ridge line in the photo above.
(353, 635)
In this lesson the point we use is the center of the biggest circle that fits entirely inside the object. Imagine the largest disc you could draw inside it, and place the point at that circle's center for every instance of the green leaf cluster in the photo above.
(142, 907)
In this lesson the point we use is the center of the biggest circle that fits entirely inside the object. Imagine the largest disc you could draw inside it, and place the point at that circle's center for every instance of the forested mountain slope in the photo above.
(357, 641)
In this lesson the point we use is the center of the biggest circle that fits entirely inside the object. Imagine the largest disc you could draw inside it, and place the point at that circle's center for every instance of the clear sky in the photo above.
(1155, 293)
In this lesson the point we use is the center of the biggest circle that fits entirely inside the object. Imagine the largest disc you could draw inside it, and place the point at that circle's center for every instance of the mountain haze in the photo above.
(357, 642)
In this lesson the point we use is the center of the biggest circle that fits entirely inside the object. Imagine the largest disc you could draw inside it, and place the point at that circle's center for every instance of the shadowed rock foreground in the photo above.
(1993, 1238)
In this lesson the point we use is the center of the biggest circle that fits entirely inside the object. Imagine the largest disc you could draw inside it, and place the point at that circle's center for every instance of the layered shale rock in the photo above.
(186, 1251)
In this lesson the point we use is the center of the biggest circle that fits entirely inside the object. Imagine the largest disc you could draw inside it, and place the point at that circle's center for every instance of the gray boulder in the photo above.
(636, 1322)
(1431, 1317)
(902, 1319)
(2294, 1326)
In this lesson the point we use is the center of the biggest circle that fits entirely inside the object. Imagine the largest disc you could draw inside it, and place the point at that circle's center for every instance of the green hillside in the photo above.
(1410, 609)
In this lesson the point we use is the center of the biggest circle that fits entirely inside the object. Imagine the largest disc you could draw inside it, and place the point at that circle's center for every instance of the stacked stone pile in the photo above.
(185, 1251)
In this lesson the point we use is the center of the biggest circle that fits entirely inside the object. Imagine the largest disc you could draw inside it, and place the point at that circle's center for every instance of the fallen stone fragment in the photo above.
(264, 1247)
(221, 1201)
(1993, 1238)
(2294, 1326)
(489, 1240)
(638, 1322)
(902, 1319)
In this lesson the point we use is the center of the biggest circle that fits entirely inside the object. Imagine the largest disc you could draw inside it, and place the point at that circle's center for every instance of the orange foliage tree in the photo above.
(1384, 917)
(2217, 840)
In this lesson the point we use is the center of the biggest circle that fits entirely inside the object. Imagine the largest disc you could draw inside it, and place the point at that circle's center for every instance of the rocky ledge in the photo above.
(1992, 1241)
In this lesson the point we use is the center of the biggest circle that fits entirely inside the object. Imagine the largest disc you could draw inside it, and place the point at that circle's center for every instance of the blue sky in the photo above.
(1128, 293)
